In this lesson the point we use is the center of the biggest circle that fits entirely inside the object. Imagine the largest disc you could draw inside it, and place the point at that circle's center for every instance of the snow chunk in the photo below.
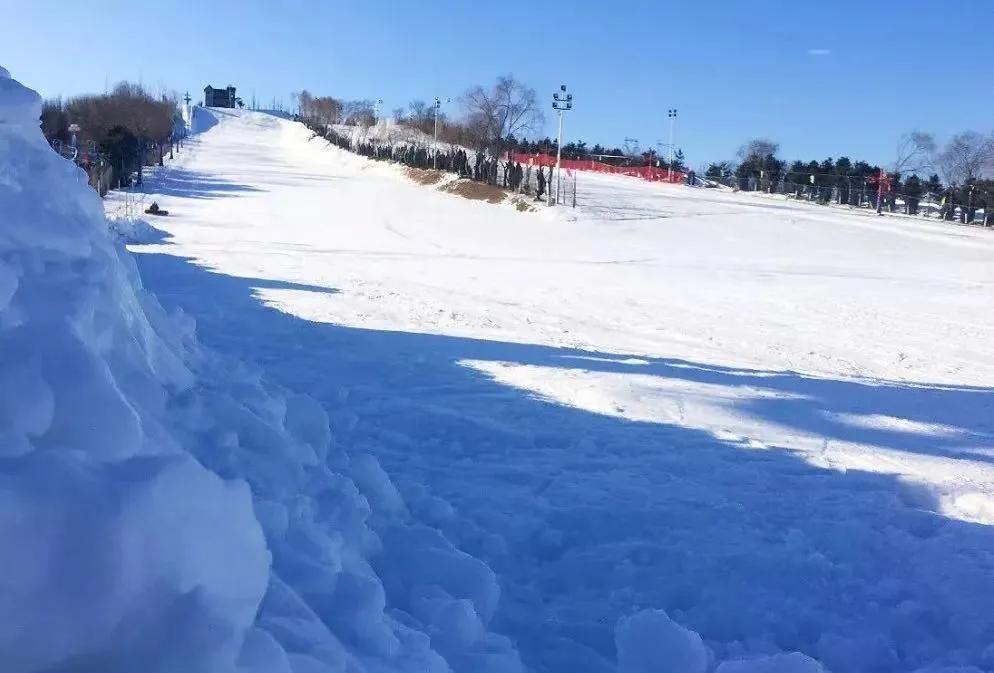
(795, 662)
(376, 485)
(19, 105)
(650, 642)
(158, 502)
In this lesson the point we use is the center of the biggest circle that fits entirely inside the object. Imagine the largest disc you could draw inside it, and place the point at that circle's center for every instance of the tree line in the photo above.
(122, 127)
(494, 119)
(953, 174)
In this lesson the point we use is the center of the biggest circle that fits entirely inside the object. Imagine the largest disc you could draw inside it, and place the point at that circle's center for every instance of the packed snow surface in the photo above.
(672, 430)
(679, 425)
(164, 510)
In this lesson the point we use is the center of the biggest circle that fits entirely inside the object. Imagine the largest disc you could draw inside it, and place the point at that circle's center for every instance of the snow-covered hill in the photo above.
(673, 430)
(770, 420)
(161, 507)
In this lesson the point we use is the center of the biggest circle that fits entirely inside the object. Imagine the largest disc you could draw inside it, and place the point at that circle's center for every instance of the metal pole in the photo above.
(669, 161)
(559, 154)
(669, 166)
(434, 158)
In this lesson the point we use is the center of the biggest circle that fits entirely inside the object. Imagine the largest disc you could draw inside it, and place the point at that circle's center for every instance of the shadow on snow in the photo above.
(586, 516)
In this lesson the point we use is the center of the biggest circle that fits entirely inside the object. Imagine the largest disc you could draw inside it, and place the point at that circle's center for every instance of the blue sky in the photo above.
(822, 78)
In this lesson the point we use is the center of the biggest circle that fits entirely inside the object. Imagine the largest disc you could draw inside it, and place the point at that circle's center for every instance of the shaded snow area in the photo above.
(681, 430)
(670, 431)
(163, 510)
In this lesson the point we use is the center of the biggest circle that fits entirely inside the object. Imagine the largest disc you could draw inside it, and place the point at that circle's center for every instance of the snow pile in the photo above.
(133, 230)
(163, 510)
(650, 642)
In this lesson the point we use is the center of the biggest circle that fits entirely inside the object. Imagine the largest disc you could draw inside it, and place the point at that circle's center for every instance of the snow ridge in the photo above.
(162, 509)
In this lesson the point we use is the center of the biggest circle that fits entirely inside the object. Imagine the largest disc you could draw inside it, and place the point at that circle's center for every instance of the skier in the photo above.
(541, 184)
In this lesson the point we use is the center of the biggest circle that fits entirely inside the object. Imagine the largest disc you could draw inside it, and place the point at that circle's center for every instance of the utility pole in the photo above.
(671, 113)
(880, 192)
(561, 102)
(437, 106)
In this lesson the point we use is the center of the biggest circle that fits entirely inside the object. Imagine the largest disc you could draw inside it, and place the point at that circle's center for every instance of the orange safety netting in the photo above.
(650, 173)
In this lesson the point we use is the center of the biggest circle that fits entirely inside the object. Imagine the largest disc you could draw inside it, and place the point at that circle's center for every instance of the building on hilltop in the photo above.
(219, 97)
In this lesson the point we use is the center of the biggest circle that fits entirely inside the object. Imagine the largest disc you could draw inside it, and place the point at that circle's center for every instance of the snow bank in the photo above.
(161, 509)
(650, 642)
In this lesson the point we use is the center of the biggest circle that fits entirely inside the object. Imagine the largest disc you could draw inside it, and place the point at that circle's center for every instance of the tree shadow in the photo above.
(587, 516)
(184, 183)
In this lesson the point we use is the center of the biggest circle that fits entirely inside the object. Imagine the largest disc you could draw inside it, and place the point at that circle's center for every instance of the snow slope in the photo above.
(161, 508)
(671, 412)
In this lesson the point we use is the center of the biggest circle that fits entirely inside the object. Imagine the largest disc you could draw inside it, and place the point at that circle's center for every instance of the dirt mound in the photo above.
(478, 191)
(424, 176)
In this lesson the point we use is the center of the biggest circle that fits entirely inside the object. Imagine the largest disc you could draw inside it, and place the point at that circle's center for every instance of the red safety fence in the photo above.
(651, 173)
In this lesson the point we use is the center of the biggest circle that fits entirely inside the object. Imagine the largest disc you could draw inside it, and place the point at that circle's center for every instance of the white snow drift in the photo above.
(161, 510)
(676, 431)
(764, 422)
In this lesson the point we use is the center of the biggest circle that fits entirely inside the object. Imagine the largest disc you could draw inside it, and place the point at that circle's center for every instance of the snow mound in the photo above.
(650, 642)
(161, 508)
(134, 230)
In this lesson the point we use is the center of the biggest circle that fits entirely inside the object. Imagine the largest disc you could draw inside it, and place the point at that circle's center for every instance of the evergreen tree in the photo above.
(721, 170)
(933, 186)
(912, 191)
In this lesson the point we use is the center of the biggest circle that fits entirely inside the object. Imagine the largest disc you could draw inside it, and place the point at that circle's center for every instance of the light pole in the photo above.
(661, 145)
(437, 106)
(561, 102)
(376, 110)
(671, 113)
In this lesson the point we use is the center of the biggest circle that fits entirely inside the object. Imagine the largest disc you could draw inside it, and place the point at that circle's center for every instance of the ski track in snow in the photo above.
(770, 419)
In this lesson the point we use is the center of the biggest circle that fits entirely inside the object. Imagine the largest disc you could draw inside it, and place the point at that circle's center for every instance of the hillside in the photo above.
(322, 418)
(669, 398)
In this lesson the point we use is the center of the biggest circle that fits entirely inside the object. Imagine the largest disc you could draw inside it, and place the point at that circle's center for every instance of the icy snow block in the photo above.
(375, 484)
(418, 555)
(307, 422)
(151, 559)
(18, 104)
(650, 642)
(794, 662)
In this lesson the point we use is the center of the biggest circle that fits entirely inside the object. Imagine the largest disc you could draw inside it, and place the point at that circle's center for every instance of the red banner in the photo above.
(651, 173)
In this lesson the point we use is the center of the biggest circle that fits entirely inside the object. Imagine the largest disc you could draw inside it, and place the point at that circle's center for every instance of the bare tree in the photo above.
(758, 148)
(915, 153)
(966, 157)
(507, 108)
(359, 113)
(421, 116)
(305, 104)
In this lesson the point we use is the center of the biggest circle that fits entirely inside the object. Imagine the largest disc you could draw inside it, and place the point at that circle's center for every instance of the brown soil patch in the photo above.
(424, 176)
(477, 191)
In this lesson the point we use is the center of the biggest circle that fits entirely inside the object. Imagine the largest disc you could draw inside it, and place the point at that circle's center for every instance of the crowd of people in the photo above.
(481, 167)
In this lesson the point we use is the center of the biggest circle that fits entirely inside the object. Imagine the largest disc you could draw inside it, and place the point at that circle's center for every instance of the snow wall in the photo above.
(164, 510)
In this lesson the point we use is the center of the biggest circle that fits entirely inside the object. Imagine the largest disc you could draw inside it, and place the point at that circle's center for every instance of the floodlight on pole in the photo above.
(437, 105)
(671, 113)
(74, 129)
(562, 101)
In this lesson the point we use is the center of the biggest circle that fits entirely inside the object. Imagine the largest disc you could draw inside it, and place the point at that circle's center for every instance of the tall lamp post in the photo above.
(437, 105)
(671, 113)
(561, 102)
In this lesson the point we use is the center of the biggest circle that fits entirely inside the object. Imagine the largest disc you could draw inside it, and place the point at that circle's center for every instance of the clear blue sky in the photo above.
(823, 77)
